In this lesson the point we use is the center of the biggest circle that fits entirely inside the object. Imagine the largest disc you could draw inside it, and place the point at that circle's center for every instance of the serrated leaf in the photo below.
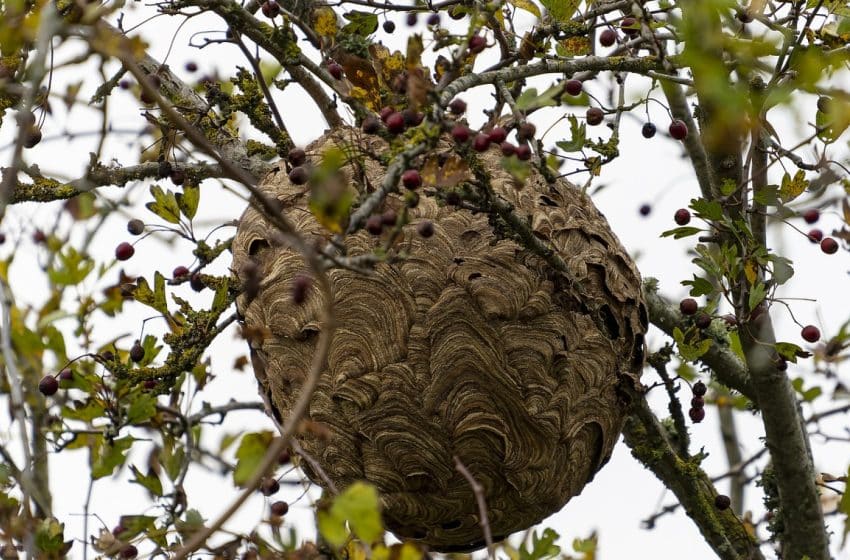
(164, 205)
(188, 200)
(142, 408)
(526, 5)
(680, 232)
(707, 209)
(324, 21)
(152, 298)
(136, 524)
(49, 537)
(792, 188)
(359, 506)
(561, 10)
(517, 169)
(699, 286)
(172, 457)
(728, 186)
(791, 351)
(579, 135)
(446, 174)
(250, 454)
(149, 481)
(331, 528)
(107, 456)
(530, 99)
(71, 268)
(360, 23)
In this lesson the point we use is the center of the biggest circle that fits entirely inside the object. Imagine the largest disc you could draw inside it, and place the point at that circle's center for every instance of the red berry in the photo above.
(457, 106)
(722, 502)
(648, 130)
(300, 288)
(697, 402)
(124, 251)
(425, 228)
(433, 20)
(149, 384)
(608, 37)
(703, 321)
(688, 306)
(191, 67)
(645, 209)
(389, 218)
(699, 389)
(460, 133)
(279, 508)
(411, 19)
(32, 137)
(523, 152)
(271, 9)
(498, 135)
(594, 116)
(39, 237)
(374, 225)
(573, 87)
(137, 352)
(136, 227)
(829, 245)
(678, 130)
(815, 235)
(395, 123)
(66, 374)
(178, 177)
(525, 131)
(296, 156)
(411, 179)
(412, 118)
(299, 175)
(629, 26)
(386, 112)
(48, 386)
(811, 216)
(129, 551)
(269, 486)
(389, 26)
(682, 216)
(507, 148)
(371, 125)
(179, 272)
(477, 44)
(481, 142)
(697, 415)
(196, 281)
(810, 333)
(335, 70)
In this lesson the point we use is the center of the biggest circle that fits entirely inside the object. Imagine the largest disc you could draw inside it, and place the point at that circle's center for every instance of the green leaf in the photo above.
(792, 188)
(728, 186)
(190, 523)
(690, 351)
(135, 525)
(149, 481)
(519, 170)
(84, 411)
(359, 506)
(220, 299)
(680, 232)
(757, 295)
(526, 5)
(142, 408)
(164, 205)
(172, 459)
(106, 456)
(529, 99)
(49, 537)
(791, 351)
(360, 23)
(71, 268)
(250, 454)
(707, 209)
(579, 135)
(542, 547)
(767, 195)
(152, 298)
(699, 286)
(561, 10)
(782, 269)
(188, 200)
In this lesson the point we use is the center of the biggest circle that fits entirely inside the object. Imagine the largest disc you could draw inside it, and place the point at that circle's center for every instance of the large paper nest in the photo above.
(470, 346)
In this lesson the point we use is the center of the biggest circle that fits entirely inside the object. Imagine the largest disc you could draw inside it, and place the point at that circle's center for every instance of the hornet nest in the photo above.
(468, 345)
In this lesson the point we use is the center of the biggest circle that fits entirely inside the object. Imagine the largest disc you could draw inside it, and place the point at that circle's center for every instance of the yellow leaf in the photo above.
(792, 188)
(751, 271)
(325, 22)
(526, 5)
(446, 174)
(414, 52)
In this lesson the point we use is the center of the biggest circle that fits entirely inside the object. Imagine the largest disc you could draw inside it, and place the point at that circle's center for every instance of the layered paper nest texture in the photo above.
(470, 347)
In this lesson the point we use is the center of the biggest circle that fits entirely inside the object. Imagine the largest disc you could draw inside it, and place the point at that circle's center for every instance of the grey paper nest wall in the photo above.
(471, 346)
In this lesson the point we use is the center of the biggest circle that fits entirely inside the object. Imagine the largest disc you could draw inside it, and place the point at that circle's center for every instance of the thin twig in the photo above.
(478, 490)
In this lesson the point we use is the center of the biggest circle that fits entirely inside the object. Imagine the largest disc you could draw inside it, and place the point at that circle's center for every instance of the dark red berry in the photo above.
(124, 251)
(722, 502)
(180, 271)
(697, 402)
(191, 67)
(2, 238)
(645, 209)
(371, 125)
(411, 117)
(386, 112)
(395, 123)
(481, 142)
(374, 225)
(497, 135)
(688, 306)
(811, 215)
(32, 137)
(697, 415)
(164, 169)
(299, 175)
(425, 228)
(137, 353)
(433, 20)
(335, 70)
(682, 216)
(389, 217)
(810, 333)
(730, 320)
(39, 237)
(124, 84)
(389, 26)
(107, 355)
(815, 235)
(66, 374)
(781, 364)
(136, 227)
(526, 131)
(608, 37)
(411, 179)
(594, 116)
(573, 87)
(744, 16)
(703, 321)
(300, 288)
(178, 177)
(279, 508)
(271, 9)
(284, 457)
(269, 486)
(197, 282)
(629, 26)
(296, 156)
(678, 130)
(460, 133)
(507, 148)
(48, 385)
(457, 106)
(477, 44)
(523, 152)
(411, 19)
(699, 389)
(129, 551)
(118, 530)
(648, 130)
(829, 245)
